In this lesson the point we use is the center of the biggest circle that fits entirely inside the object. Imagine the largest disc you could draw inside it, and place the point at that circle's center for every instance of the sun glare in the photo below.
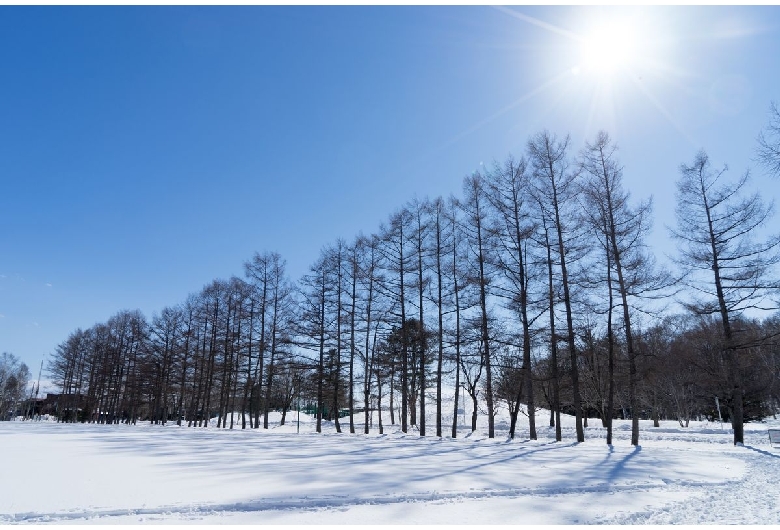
(609, 46)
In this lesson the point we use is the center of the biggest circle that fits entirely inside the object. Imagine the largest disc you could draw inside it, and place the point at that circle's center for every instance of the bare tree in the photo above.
(546, 241)
(508, 186)
(623, 228)
(14, 376)
(418, 236)
(368, 271)
(769, 142)
(396, 261)
(438, 210)
(353, 272)
(336, 258)
(312, 323)
(475, 208)
(165, 338)
(455, 252)
(727, 270)
(69, 370)
(257, 270)
(190, 329)
(280, 317)
(554, 190)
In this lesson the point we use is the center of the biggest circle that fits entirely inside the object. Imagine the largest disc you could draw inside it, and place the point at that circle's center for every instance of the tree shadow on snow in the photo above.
(757, 450)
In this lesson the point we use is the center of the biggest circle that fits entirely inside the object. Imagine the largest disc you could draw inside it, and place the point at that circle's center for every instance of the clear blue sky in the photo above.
(145, 151)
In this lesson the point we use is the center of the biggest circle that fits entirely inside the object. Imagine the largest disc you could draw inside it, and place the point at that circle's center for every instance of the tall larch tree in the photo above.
(553, 185)
(624, 227)
(508, 195)
(476, 223)
(727, 265)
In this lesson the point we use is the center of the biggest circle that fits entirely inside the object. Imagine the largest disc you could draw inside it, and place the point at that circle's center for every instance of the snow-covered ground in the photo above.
(64, 473)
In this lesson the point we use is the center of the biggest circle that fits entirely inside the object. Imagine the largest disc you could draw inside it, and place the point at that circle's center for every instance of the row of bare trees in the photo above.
(216, 353)
(535, 287)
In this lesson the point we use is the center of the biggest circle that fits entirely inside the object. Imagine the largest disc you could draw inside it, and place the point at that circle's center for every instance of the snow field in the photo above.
(66, 473)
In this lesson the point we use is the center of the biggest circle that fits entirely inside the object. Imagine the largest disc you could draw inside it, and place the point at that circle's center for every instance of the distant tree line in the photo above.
(14, 377)
(534, 289)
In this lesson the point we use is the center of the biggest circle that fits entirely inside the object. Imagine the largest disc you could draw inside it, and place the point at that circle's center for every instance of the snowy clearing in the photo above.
(66, 473)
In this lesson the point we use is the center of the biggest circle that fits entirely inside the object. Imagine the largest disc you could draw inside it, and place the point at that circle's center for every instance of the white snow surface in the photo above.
(106, 474)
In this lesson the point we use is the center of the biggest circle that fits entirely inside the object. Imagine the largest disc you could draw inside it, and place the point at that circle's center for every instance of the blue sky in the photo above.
(145, 151)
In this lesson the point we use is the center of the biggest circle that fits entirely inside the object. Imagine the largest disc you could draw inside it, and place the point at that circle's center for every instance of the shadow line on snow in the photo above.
(619, 466)
(314, 503)
(757, 450)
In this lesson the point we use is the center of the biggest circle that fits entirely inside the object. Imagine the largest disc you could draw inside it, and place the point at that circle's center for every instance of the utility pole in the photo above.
(38, 389)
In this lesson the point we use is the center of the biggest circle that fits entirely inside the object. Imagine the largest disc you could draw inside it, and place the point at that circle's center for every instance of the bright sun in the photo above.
(609, 46)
